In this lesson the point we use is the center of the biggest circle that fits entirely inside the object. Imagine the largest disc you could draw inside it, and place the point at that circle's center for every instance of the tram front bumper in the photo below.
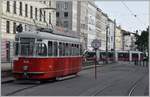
(30, 75)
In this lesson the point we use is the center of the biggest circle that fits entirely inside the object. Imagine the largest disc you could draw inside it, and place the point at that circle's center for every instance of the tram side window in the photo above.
(55, 48)
(75, 50)
(67, 49)
(60, 49)
(63, 49)
(50, 48)
(81, 51)
(41, 49)
(72, 50)
(78, 47)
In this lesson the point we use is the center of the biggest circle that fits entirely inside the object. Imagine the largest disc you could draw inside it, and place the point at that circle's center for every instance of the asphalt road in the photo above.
(120, 79)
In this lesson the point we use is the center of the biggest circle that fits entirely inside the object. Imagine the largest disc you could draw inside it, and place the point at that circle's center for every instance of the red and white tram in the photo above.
(41, 55)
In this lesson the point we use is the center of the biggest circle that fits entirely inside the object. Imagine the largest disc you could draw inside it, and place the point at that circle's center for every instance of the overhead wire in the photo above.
(135, 15)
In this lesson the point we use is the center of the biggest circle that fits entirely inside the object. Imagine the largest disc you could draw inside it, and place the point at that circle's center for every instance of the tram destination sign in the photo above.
(96, 43)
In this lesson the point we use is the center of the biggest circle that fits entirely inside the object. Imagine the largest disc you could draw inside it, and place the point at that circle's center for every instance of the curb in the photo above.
(89, 67)
(7, 81)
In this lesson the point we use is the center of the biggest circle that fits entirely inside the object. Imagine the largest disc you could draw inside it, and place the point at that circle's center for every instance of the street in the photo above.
(118, 79)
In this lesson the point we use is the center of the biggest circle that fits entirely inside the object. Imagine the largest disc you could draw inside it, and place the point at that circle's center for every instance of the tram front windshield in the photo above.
(28, 47)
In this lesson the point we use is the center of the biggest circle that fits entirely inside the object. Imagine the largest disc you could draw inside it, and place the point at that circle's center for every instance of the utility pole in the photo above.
(107, 27)
(114, 40)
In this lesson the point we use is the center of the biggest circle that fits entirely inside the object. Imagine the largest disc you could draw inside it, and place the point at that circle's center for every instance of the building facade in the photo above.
(133, 40)
(98, 24)
(91, 35)
(119, 38)
(78, 16)
(66, 14)
(111, 34)
(129, 40)
(104, 24)
(82, 23)
(27, 13)
(126, 41)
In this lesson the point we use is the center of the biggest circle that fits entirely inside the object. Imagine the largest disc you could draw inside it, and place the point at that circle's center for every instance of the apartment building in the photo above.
(27, 13)
(111, 34)
(119, 38)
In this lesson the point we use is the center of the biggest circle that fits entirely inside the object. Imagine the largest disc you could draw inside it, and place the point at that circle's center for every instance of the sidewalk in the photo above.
(6, 67)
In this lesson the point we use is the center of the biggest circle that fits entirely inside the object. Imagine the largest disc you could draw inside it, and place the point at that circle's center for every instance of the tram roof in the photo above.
(48, 36)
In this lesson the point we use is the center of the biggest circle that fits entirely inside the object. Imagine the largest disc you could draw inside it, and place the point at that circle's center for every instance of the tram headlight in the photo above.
(25, 67)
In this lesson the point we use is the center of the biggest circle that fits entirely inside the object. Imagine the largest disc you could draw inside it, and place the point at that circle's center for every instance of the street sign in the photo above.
(96, 43)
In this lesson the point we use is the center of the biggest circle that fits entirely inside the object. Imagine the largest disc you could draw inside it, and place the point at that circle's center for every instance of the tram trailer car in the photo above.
(122, 56)
(89, 55)
(119, 55)
(41, 55)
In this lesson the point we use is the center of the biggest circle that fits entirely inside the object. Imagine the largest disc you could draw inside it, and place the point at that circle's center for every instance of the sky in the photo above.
(124, 12)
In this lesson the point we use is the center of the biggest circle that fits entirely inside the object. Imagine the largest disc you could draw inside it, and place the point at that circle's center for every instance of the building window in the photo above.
(7, 27)
(8, 6)
(66, 5)
(57, 5)
(57, 14)
(57, 23)
(14, 7)
(31, 12)
(49, 18)
(21, 8)
(66, 24)
(49, 3)
(44, 2)
(26, 10)
(111, 38)
(44, 16)
(40, 15)
(66, 14)
(36, 13)
(14, 27)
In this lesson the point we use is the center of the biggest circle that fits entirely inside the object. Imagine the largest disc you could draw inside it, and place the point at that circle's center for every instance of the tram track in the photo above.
(95, 93)
(129, 92)
(19, 90)
(133, 87)
(36, 84)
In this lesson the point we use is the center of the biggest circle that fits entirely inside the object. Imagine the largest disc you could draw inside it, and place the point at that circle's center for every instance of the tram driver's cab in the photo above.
(30, 47)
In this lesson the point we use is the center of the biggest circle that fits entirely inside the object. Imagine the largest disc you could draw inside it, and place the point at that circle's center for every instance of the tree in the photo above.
(142, 41)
